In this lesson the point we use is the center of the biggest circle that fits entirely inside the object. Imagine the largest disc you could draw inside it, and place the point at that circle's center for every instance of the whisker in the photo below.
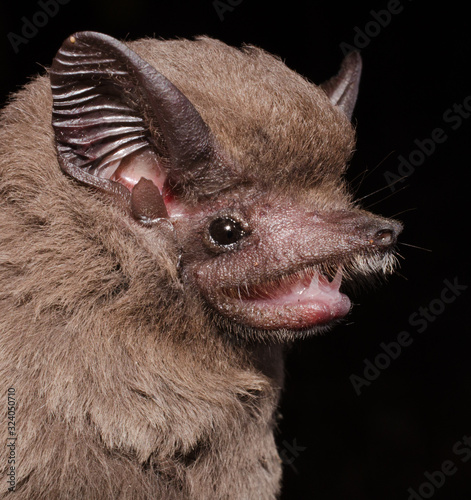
(362, 173)
(403, 211)
(386, 197)
(385, 187)
(381, 162)
(398, 254)
(363, 177)
(415, 246)
(376, 167)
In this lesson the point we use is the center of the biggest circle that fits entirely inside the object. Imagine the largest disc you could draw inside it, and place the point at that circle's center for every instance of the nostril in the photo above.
(379, 232)
(384, 237)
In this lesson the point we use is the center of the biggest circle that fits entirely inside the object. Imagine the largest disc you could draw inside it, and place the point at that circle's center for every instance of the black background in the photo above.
(410, 419)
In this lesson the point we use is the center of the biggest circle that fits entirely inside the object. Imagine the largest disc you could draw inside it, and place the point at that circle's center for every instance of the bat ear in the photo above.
(117, 120)
(342, 89)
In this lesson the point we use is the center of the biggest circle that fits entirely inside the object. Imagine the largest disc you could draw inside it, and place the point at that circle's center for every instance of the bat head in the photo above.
(240, 157)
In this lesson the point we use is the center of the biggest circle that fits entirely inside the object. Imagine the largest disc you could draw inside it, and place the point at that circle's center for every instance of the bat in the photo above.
(174, 213)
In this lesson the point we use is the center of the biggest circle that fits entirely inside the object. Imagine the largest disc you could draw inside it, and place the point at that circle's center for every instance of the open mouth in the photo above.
(295, 301)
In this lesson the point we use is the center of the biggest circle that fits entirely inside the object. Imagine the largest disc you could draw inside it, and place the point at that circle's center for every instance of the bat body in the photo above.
(172, 214)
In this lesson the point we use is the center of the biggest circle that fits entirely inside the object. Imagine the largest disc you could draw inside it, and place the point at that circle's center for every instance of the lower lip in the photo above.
(266, 316)
(318, 314)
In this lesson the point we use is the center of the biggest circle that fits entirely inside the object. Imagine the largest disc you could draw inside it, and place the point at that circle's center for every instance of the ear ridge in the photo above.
(342, 89)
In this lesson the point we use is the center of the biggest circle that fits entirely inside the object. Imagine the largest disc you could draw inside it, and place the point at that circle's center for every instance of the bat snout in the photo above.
(364, 229)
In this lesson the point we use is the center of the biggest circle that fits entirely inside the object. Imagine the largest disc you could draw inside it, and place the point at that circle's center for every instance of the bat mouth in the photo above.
(294, 301)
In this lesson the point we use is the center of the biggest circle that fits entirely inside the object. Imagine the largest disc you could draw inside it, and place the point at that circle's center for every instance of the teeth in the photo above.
(300, 289)
(307, 284)
(337, 281)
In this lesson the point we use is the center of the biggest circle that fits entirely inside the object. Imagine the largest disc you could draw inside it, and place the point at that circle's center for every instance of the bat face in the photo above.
(245, 170)
(275, 263)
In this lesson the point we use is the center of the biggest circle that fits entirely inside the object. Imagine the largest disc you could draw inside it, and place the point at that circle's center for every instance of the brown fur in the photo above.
(125, 387)
(294, 125)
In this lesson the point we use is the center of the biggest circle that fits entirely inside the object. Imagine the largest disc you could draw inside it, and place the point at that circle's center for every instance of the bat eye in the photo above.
(225, 231)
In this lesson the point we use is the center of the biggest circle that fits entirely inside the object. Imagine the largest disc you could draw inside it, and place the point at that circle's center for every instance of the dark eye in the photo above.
(225, 231)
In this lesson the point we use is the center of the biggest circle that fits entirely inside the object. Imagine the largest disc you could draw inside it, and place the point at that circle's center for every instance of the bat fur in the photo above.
(130, 382)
